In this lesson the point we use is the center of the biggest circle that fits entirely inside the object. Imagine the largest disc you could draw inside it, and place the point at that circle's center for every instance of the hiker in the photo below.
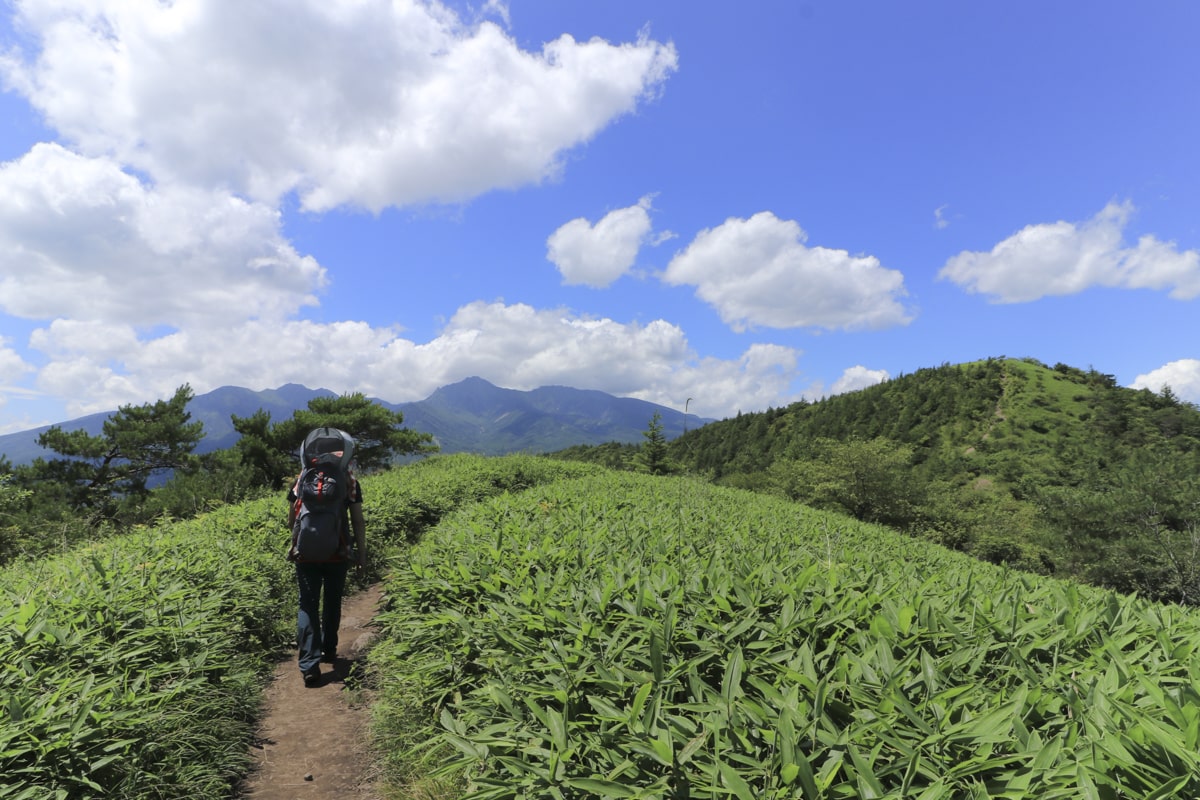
(324, 506)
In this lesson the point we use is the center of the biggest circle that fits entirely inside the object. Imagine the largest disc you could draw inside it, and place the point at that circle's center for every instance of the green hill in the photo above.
(976, 416)
(1054, 469)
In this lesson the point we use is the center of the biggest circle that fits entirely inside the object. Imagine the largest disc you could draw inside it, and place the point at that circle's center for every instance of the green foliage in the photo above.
(269, 462)
(403, 503)
(99, 484)
(652, 456)
(1134, 528)
(377, 433)
(271, 451)
(12, 498)
(132, 667)
(565, 631)
(986, 522)
(1043, 444)
(11, 495)
(614, 455)
(869, 480)
(615, 636)
(97, 473)
(221, 479)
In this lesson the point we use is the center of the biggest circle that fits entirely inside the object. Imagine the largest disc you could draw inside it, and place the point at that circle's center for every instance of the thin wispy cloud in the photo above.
(939, 218)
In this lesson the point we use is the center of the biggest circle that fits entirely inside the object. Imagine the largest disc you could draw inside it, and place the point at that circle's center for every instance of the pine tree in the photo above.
(97, 472)
(652, 457)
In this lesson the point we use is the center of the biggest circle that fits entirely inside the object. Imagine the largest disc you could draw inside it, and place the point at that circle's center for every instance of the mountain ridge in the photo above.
(472, 415)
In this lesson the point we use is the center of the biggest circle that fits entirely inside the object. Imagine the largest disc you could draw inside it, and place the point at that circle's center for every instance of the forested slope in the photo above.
(1057, 419)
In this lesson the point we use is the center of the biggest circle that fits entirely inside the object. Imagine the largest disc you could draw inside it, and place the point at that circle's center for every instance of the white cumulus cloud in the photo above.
(523, 347)
(1065, 258)
(84, 240)
(147, 241)
(596, 255)
(759, 272)
(858, 377)
(11, 363)
(104, 365)
(13, 369)
(1183, 376)
(369, 104)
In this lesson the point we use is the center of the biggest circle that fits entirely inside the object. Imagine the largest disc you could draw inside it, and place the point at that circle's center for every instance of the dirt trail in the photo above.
(312, 742)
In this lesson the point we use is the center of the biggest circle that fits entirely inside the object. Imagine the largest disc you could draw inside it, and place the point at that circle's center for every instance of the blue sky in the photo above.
(732, 206)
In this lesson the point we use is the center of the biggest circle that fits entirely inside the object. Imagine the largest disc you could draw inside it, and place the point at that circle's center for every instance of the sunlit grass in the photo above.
(625, 636)
(132, 667)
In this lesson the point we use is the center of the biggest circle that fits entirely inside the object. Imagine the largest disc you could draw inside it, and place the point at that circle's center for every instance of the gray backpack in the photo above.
(319, 533)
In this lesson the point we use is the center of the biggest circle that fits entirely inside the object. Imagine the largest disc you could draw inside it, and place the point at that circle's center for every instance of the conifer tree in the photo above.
(652, 457)
(95, 473)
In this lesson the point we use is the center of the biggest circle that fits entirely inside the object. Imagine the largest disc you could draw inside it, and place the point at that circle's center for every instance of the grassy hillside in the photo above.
(621, 635)
(558, 630)
(132, 667)
(1053, 469)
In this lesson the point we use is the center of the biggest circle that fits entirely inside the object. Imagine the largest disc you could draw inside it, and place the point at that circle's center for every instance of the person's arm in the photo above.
(291, 501)
(360, 534)
(291, 521)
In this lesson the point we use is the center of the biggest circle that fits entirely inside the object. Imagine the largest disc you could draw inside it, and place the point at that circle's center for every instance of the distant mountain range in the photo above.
(472, 415)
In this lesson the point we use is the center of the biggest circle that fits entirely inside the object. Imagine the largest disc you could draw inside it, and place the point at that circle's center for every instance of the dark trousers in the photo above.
(319, 618)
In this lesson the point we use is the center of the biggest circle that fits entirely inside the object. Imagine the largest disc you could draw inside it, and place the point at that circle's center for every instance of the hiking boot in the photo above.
(329, 658)
(312, 677)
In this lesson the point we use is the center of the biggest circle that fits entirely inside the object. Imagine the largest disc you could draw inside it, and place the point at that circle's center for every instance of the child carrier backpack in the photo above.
(319, 531)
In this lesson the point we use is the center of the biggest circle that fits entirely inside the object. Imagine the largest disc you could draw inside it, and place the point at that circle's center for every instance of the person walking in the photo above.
(324, 508)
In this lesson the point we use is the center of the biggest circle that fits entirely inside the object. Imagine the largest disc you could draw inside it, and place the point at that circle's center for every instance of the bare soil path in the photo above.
(312, 742)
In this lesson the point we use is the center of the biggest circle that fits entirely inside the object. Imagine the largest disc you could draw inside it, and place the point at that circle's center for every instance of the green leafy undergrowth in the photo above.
(133, 667)
(403, 503)
(631, 636)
